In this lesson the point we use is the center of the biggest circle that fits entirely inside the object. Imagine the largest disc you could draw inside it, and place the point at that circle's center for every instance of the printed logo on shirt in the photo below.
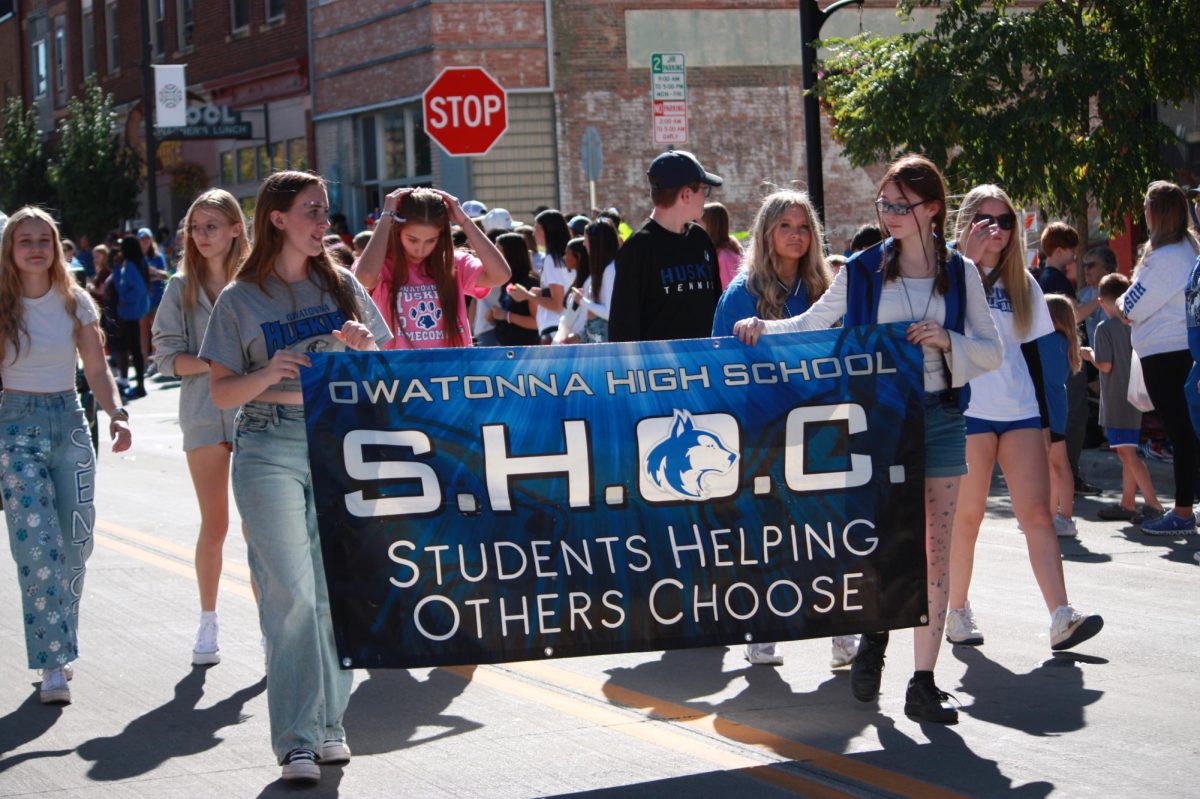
(1000, 300)
(1192, 301)
(420, 313)
(301, 325)
(687, 277)
(1132, 296)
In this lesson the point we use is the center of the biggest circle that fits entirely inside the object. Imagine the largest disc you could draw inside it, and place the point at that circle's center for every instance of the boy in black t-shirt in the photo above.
(667, 283)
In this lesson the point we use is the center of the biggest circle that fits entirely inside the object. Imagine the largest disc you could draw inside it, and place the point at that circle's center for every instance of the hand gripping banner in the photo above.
(489, 505)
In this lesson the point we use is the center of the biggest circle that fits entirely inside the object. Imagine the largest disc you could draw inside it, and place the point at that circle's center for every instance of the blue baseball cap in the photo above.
(144, 233)
(676, 168)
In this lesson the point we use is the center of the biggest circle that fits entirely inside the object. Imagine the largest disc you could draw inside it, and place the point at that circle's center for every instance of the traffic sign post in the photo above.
(593, 160)
(465, 111)
(668, 97)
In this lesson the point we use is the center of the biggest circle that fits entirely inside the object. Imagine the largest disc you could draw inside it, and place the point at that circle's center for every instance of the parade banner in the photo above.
(500, 504)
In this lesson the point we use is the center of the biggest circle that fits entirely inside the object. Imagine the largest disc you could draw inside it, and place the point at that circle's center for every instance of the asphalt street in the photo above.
(1115, 718)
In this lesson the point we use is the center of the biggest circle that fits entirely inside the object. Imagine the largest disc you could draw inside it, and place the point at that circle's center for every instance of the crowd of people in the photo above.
(1004, 374)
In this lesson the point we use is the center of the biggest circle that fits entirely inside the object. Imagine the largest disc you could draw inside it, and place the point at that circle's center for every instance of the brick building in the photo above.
(569, 65)
(247, 55)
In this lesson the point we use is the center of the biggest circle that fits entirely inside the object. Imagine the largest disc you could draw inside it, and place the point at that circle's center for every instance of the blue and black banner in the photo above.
(489, 505)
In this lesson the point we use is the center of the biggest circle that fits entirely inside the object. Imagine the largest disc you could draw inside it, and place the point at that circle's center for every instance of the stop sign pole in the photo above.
(465, 111)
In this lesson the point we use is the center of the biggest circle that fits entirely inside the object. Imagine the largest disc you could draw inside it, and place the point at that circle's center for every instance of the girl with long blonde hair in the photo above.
(912, 277)
(214, 246)
(47, 465)
(1004, 423)
(783, 271)
(288, 299)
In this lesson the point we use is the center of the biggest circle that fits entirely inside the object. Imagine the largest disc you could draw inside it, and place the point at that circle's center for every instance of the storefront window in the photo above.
(227, 168)
(298, 154)
(245, 164)
(395, 149)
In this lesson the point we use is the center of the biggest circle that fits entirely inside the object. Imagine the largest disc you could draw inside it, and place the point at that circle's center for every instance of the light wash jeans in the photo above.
(47, 476)
(307, 692)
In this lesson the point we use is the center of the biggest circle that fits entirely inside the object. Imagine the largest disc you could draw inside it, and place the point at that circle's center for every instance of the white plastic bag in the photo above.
(1136, 393)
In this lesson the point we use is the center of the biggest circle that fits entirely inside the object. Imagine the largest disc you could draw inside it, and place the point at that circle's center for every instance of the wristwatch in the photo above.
(121, 413)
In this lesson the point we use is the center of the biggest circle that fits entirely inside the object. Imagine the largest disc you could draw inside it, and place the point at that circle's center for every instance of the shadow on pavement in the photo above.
(947, 760)
(175, 729)
(24, 725)
(708, 785)
(679, 676)
(1047, 701)
(387, 709)
(327, 788)
(1177, 550)
(1075, 550)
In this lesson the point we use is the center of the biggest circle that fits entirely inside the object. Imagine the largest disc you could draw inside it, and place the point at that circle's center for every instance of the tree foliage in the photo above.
(22, 159)
(1055, 103)
(97, 178)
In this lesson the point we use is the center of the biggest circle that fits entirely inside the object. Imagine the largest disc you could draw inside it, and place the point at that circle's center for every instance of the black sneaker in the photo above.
(300, 765)
(866, 672)
(1083, 488)
(924, 701)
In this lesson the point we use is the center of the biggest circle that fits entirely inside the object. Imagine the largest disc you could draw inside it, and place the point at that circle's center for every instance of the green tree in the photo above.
(1054, 103)
(22, 159)
(97, 178)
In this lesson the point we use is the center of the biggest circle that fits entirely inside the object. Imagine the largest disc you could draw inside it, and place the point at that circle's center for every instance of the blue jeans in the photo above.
(307, 692)
(47, 475)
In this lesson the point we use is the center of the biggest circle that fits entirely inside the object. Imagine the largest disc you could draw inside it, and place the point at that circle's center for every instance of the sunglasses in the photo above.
(1003, 221)
(896, 209)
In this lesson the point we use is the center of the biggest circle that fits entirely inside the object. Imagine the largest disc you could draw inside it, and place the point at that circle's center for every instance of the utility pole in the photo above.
(811, 20)
(148, 106)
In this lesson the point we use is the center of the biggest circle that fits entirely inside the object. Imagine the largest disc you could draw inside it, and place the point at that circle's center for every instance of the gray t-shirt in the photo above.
(249, 325)
(1114, 345)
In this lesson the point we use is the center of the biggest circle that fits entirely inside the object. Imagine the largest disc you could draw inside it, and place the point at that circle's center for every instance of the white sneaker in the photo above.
(300, 765)
(1196, 557)
(961, 627)
(763, 655)
(334, 752)
(845, 647)
(54, 690)
(205, 652)
(1064, 527)
(69, 671)
(1069, 627)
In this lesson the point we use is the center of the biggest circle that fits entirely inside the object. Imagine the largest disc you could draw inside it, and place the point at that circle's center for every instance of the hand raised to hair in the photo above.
(454, 208)
(391, 203)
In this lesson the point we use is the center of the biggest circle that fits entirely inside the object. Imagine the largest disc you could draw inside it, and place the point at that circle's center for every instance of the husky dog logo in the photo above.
(683, 464)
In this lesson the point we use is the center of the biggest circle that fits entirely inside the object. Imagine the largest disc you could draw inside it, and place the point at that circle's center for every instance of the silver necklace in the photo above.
(908, 299)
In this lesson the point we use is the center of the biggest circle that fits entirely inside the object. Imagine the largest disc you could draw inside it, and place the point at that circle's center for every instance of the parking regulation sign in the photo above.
(668, 97)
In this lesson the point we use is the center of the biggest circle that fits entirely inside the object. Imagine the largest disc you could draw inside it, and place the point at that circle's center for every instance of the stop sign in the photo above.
(466, 110)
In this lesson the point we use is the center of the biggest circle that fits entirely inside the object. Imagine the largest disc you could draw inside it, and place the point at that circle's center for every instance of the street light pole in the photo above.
(811, 20)
(148, 106)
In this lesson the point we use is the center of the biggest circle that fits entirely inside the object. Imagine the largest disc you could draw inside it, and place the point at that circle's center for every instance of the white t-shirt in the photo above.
(1007, 394)
(48, 364)
(554, 272)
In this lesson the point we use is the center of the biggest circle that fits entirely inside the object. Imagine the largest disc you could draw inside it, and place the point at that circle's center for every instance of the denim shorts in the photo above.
(976, 425)
(945, 437)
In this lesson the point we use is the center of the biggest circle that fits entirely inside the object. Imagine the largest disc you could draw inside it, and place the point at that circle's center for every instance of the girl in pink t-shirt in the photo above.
(417, 278)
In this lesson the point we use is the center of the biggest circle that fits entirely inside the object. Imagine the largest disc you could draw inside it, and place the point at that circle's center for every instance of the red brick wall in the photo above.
(745, 123)
(455, 34)
(215, 54)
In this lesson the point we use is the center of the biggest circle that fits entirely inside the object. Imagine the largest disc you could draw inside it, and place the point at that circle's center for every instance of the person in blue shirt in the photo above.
(783, 270)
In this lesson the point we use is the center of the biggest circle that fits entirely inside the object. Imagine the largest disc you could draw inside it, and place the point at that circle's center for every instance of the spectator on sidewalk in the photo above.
(1112, 354)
